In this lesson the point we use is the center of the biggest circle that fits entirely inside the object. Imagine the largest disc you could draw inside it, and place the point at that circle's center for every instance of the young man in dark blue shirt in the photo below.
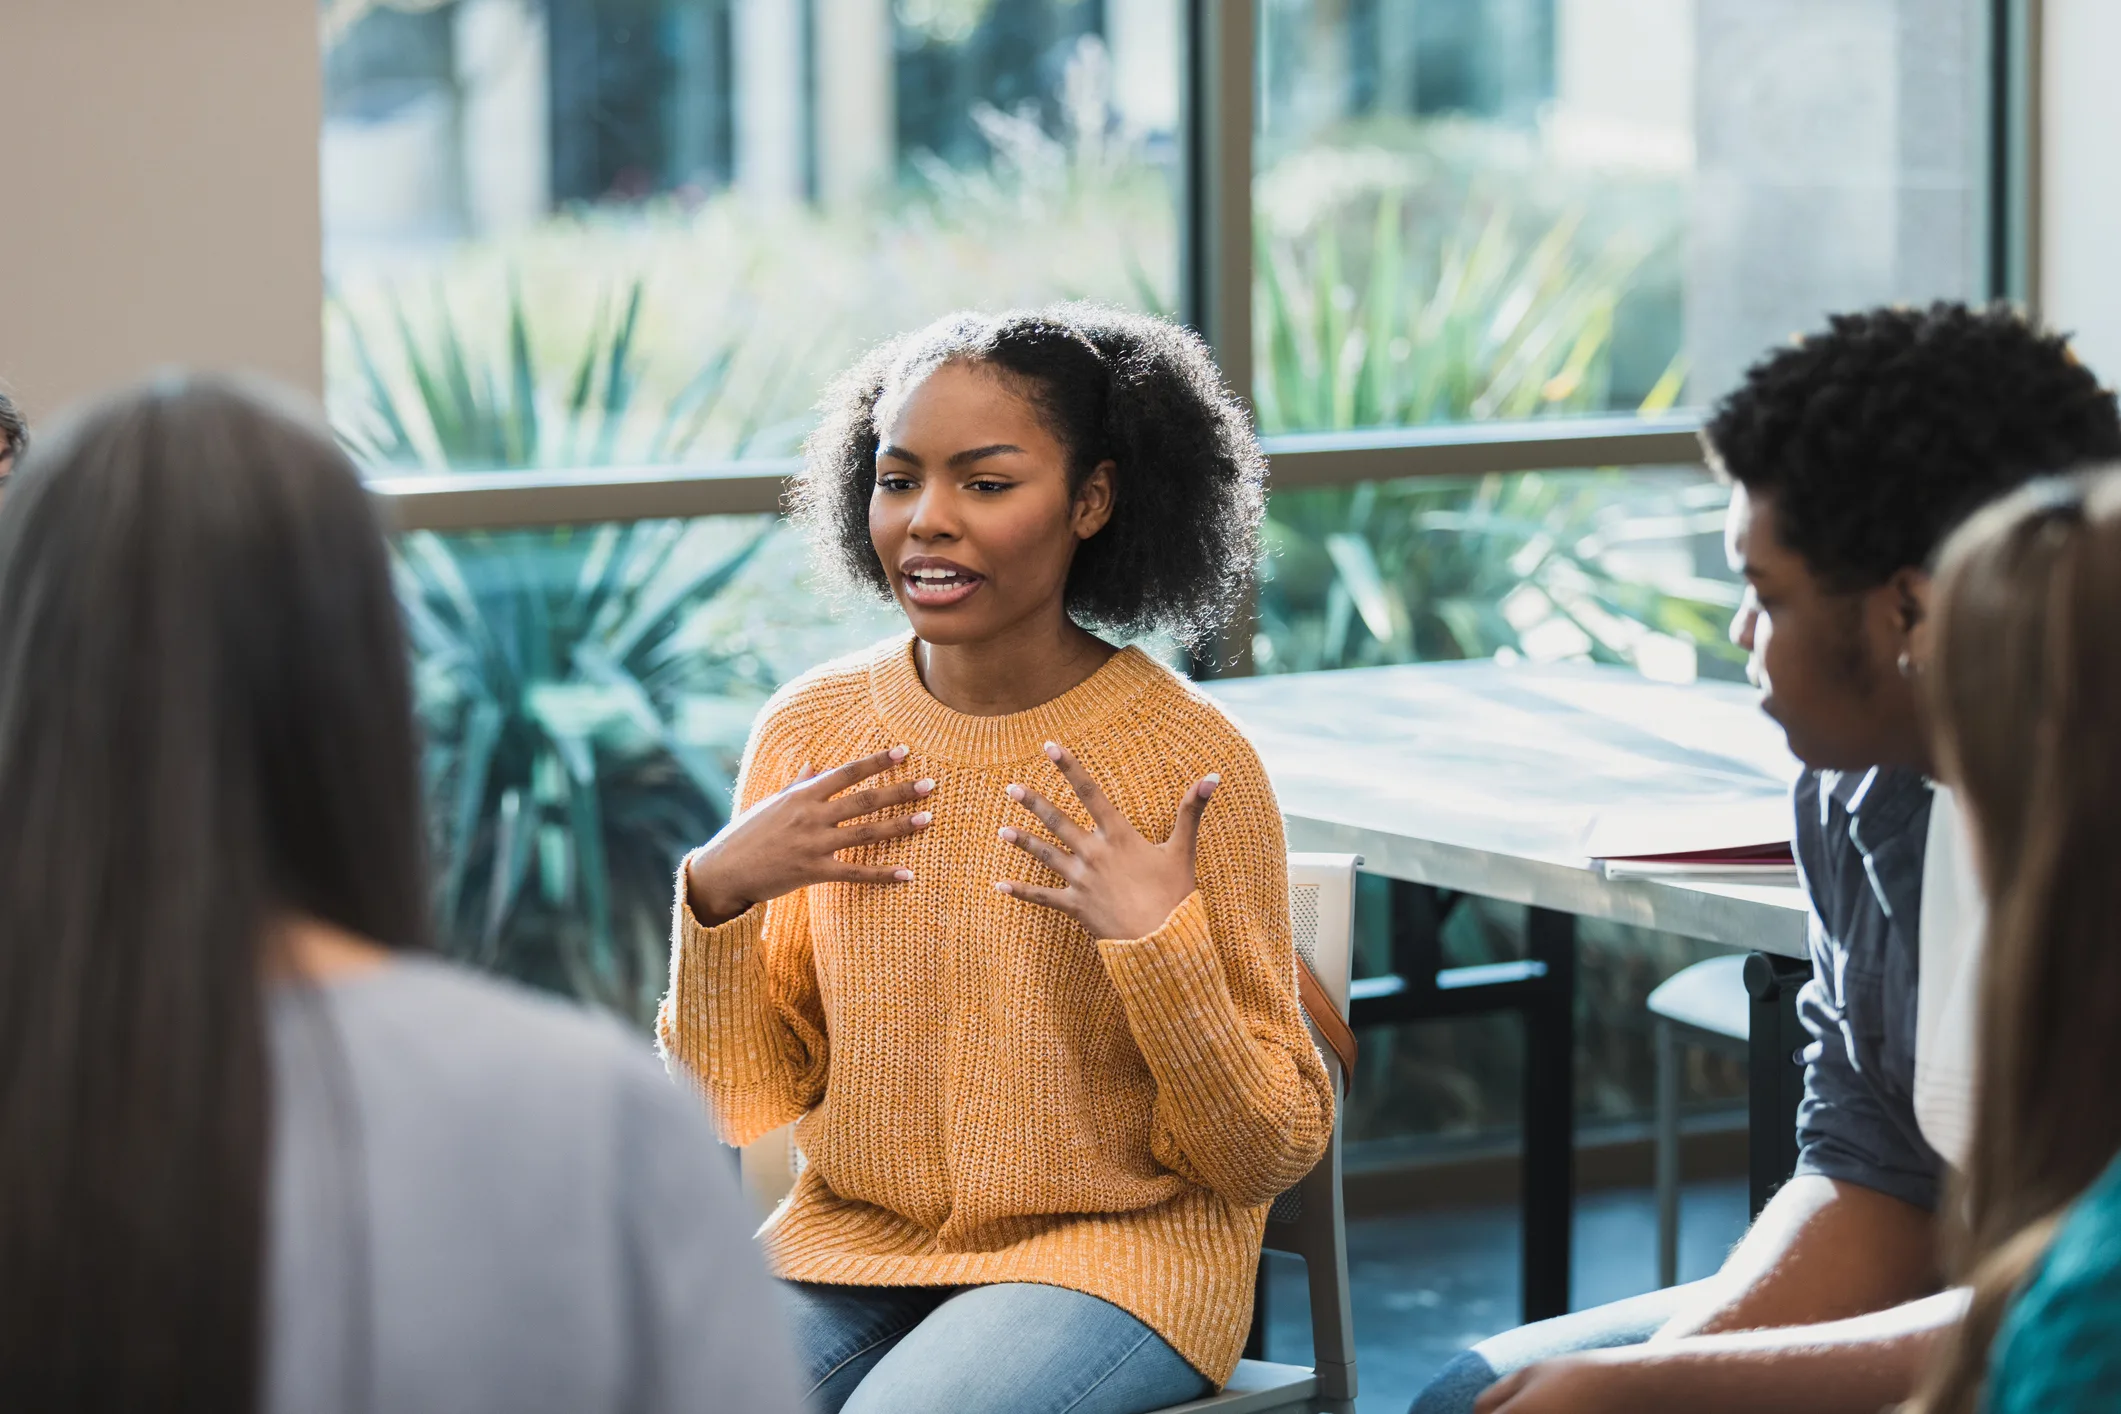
(1851, 456)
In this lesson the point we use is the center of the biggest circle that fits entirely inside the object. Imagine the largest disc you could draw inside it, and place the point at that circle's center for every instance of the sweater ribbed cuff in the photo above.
(1175, 994)
(736, 936)
(721, 1021)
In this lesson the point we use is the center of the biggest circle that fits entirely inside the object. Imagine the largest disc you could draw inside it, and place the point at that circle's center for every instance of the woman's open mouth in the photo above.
(937, 584)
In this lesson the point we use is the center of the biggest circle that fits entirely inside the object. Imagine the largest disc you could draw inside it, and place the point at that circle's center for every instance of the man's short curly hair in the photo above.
(1875, 439)
(1188, 490)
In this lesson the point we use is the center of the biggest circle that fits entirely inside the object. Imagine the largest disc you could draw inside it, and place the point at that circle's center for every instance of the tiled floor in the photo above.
(1428, 1285)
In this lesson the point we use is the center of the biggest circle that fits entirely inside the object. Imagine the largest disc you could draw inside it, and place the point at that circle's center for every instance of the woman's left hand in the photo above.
(1119, 885)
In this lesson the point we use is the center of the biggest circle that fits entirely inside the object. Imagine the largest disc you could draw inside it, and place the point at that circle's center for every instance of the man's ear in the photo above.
(1093, 501)
(1911, 613)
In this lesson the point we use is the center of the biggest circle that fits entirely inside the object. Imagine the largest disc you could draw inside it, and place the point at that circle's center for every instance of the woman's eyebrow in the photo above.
(975, 454)
(899, 454)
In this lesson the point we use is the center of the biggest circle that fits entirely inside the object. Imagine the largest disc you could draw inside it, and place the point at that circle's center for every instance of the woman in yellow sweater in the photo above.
(977, 925)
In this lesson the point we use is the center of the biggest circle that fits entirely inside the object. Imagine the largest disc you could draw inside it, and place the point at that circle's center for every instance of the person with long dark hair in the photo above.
(2026, 688)
(1003, 919)
(259, 1150)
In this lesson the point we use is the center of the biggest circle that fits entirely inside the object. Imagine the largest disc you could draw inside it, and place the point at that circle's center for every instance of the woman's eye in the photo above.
(894, 483)
(991, 486)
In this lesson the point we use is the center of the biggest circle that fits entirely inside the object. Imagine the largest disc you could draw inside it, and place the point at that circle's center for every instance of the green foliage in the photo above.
(1399, 293)
(580, 725)
(1485, 323)
(1441, 568)
(441, 400)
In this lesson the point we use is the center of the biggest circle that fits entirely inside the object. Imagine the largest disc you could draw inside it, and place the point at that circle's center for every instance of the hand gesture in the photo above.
(792, 840)
(1119, 885)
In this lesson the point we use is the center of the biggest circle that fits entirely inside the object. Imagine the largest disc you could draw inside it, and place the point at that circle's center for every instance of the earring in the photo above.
(1907, 665)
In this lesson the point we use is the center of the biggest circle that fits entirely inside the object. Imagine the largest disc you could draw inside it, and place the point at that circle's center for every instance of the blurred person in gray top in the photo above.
(258, 1151)
(1852, 455)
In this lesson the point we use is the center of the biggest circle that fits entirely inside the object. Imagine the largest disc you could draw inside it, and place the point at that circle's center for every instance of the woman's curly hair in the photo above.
(1188, 491)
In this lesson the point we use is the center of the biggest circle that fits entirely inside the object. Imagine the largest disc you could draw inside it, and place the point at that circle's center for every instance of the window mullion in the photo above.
(1221, 70)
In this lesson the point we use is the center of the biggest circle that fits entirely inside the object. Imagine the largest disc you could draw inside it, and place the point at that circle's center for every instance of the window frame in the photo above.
(1216, 280)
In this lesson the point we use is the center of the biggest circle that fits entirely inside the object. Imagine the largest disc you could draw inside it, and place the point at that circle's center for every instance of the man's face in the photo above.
(1826, 662)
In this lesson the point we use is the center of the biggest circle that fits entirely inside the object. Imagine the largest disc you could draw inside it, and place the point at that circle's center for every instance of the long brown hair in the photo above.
(205, 722)
(2025, 687)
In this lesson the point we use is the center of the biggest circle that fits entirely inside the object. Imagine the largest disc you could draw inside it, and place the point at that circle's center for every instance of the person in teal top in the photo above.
(2059, 1348)
(2023, 693)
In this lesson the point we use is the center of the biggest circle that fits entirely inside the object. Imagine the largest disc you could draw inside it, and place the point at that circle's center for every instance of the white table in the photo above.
(1494, 780)
(1505, 782)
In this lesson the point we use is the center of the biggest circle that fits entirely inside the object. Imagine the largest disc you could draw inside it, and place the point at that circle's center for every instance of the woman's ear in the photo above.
(1093, 501)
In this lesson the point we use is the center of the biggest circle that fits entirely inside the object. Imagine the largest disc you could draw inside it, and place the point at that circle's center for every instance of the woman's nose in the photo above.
(932, 516)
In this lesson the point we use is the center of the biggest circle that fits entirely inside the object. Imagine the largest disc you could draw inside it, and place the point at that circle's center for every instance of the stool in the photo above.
(1706, 1004)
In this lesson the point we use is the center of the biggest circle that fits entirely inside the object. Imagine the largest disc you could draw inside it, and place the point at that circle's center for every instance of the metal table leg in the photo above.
(1550, 1116)
(1776, 1070)
(1541, 989)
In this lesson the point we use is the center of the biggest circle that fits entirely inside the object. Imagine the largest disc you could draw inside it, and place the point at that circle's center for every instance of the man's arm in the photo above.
(1822, 1250)
(1852, 1232)
(1856, 1366)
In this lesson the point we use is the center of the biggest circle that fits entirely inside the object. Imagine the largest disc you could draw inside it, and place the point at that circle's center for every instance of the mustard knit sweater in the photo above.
(986, 1092)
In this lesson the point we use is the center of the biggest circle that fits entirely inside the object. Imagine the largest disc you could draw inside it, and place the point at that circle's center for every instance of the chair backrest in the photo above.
(1309, 1220)
(1322, 918)
(770, 1165)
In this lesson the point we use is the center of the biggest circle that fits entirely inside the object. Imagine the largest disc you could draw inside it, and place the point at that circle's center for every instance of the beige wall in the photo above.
(159, 203)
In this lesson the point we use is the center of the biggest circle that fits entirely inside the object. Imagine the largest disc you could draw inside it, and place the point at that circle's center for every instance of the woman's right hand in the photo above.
(792, 840)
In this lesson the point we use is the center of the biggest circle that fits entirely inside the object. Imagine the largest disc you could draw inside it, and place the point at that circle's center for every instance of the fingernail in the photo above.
(1014, 792)
(922, 817)
(1053, 750)
(904, 876)
(1211, 780)
(1008, 835)
(1002, 888)
(898, 753)
(923, 786)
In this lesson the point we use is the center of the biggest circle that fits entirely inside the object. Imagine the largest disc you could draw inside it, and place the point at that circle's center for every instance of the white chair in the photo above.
(1706, 1004)
(1308, 1220)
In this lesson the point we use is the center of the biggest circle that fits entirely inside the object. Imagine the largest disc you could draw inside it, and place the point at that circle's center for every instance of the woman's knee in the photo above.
(841, 1332)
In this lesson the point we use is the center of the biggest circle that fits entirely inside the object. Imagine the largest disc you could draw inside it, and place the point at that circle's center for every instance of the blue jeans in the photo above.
(1015, 1348)
(1630, 1322)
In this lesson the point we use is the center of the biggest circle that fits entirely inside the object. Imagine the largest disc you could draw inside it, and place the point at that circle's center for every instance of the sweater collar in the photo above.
(914, 717)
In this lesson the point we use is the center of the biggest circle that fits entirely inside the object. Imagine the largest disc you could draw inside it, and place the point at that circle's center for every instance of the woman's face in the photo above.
(972, 515)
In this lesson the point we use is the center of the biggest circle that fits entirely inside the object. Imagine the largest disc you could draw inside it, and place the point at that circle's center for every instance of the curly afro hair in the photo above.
(1875, 439)
(1142, 393)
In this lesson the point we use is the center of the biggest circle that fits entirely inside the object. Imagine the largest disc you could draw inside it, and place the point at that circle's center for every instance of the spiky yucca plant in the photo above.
(581, 723)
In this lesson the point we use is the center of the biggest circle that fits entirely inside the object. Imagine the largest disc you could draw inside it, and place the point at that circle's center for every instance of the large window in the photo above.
(1477, 264)
(1500, 209)
(573, 233)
